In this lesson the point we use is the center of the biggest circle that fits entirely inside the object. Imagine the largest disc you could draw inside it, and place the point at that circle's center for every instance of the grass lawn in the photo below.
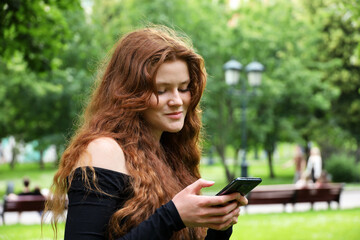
(311, 225)
(29, 232)
(322, 225)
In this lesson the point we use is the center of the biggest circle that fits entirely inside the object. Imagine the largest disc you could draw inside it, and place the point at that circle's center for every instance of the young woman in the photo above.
(132, 169)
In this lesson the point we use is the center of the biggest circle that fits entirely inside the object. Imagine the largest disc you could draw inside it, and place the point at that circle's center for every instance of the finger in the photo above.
(215, 201)
(234, 221)
(221, 226)
(225, 225)
(222, 210)
(237, 213)
(243, 200)
(236, 216)
(196, 187)
(231, 197)
(222, 200)
(219, 219)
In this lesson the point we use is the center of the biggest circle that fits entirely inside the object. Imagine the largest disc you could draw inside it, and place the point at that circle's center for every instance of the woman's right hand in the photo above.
(216, 212)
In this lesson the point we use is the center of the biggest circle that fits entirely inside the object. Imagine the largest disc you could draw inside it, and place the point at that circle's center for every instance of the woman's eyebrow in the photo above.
(186, 81)
(167, 84)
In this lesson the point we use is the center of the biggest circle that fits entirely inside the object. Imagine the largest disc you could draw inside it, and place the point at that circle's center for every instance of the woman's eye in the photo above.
(161, 91)
(184, 89)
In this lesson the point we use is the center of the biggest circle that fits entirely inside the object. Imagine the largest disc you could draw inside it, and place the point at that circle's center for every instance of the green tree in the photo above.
(292, 98)
(37, 29)
(39, 77)
(338, 51)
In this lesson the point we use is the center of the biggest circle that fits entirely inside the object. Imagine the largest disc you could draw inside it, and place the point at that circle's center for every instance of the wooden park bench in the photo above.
(23, 203)
(329, 193)
(289, 194)
(271, 196)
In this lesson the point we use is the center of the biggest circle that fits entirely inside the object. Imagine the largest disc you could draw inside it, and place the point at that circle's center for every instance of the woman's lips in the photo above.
(174, 115)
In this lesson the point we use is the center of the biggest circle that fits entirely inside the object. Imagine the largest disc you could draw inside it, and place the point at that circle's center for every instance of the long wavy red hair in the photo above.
(121, 94)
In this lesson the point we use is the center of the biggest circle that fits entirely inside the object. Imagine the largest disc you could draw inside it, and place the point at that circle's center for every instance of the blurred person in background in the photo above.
(298, 162)
(314, 164)
(304, 181)
(26, 189)
(323, 180)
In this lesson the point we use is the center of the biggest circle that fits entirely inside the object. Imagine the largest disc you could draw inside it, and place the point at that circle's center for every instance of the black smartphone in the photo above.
(243, 185)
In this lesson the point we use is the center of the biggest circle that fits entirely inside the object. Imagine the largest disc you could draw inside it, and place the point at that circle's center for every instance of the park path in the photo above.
(350, 198)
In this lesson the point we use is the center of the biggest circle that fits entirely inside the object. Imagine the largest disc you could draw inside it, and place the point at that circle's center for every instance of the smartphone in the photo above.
(243, 185)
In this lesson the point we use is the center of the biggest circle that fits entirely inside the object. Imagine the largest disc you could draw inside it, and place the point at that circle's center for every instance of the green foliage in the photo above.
(36, 28)
(310, 49)
(43, 69)
(281, 109)
(338, 23)
(343, 168)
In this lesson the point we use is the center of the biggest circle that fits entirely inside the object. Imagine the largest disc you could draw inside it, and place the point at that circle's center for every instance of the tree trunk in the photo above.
(42, 165)
(221, 151)
(13, 158)
(237, 163)
(270, 161)
(256, 153)
(58, 155)
(357, 154)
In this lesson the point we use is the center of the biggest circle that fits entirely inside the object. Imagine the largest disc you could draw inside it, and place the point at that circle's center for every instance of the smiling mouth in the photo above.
(174, 115)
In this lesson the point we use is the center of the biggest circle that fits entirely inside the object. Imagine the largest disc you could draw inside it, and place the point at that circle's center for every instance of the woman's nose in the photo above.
(175, 99)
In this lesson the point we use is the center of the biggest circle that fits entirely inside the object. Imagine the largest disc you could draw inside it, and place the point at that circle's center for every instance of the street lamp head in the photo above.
(254, 70)
(232, 72)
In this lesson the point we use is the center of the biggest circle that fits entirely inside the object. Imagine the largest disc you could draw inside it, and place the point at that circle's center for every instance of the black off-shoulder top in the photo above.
(89, 210)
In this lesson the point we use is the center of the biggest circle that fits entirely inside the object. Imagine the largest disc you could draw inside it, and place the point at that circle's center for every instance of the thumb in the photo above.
(196, 187)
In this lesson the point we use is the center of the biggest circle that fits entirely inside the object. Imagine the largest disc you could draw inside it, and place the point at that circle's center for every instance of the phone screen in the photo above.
(241, 185)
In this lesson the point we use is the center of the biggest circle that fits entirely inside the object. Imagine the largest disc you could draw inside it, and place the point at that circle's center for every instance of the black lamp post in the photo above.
(232, 76)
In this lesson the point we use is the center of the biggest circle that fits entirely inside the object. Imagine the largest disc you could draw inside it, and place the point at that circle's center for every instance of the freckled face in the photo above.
(172, 84)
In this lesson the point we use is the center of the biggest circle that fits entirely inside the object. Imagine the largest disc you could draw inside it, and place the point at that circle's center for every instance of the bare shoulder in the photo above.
(104, 152)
